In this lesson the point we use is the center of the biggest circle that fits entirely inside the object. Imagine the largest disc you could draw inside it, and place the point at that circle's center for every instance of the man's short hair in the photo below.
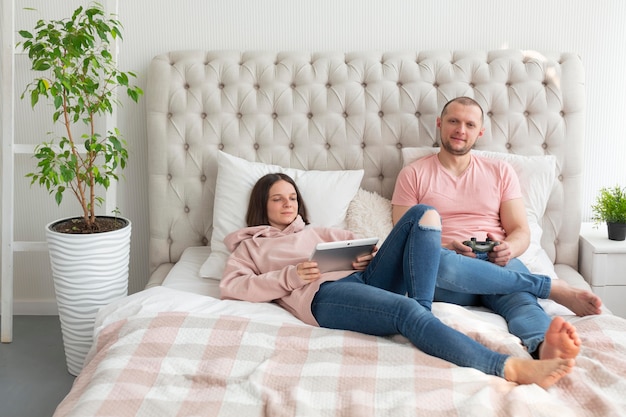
(466, 101)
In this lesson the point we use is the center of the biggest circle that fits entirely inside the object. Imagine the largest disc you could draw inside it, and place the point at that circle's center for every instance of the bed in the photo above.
(343, 124)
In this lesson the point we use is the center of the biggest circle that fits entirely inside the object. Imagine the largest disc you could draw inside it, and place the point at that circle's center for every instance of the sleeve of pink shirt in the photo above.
(511, 188)
(242, 281)
(405, 191)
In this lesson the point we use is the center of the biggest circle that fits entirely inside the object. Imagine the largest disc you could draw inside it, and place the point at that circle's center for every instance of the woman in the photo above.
(269, 263)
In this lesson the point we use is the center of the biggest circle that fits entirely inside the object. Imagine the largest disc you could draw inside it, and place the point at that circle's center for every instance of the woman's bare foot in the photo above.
(581, 302)
(561, 341)
(543, 372)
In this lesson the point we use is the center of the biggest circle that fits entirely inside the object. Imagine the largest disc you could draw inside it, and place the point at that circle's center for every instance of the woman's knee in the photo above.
(409, 309)
(430, 218)
(426, 217)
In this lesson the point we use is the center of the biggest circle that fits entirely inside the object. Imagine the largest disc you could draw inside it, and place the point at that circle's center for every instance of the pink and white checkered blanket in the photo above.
(190, 363)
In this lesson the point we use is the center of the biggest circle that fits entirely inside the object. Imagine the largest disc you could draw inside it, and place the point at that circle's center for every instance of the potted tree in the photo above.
(610, 207)
(89, 254)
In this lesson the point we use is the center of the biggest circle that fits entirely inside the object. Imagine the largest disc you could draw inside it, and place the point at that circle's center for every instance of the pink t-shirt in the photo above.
(469, 204)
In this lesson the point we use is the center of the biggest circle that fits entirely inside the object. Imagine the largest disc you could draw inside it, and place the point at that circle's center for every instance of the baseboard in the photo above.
(35, 308)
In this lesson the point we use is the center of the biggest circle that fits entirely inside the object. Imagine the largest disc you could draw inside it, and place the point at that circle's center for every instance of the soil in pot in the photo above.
(77, 225)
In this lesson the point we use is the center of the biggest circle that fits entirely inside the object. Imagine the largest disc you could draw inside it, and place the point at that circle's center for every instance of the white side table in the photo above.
(602, 262)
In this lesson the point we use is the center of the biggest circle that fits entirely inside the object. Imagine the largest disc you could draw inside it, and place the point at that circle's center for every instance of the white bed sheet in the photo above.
(185, 274)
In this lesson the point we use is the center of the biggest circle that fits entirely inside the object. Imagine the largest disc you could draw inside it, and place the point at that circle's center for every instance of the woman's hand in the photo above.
(363, 261)
(308, 271)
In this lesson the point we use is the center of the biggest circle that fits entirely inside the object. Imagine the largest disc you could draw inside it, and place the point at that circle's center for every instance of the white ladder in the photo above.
(7, 110)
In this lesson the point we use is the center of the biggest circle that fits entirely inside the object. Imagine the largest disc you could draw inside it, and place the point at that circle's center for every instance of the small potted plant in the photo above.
(610, 207)
(77, 74)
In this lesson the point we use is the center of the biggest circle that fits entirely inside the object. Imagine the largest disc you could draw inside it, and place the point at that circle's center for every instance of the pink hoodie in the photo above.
(262, 265)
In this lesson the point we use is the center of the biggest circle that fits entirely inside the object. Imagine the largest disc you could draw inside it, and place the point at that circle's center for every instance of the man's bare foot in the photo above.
(543, 372)
(561, 341)
(581, 302)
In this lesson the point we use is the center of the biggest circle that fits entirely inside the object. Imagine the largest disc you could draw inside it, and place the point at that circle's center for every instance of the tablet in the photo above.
(338, 256)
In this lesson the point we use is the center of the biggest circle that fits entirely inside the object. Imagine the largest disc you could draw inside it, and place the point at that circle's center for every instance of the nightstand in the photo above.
(602, 262)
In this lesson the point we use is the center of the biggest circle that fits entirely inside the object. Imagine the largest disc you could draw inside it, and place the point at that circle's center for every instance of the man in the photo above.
(480, 197)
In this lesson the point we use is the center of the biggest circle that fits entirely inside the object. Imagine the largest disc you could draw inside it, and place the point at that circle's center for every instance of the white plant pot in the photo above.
(89, 272)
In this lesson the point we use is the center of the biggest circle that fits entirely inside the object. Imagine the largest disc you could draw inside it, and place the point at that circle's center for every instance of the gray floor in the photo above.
(33, 374)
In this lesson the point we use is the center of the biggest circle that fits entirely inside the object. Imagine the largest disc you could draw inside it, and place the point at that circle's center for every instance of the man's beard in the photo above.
(452, 151)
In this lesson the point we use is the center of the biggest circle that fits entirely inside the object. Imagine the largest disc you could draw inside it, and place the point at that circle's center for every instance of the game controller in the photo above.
(486, 246)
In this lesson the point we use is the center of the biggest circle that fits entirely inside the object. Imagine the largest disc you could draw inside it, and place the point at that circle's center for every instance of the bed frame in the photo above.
(333, 110)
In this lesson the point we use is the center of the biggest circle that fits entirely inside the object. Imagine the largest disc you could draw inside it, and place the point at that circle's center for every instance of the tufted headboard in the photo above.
(333, 110)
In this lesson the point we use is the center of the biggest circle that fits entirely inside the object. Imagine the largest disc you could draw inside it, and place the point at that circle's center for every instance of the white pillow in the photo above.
(327, 195)
(369, 214)
(536, 176)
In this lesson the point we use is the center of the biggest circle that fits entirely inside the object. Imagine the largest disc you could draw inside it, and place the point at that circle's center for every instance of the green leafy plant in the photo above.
(610, 205)
(80, 77)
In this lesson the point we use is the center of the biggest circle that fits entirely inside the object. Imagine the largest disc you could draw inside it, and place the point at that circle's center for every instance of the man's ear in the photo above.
(438, 122)
(482, 132)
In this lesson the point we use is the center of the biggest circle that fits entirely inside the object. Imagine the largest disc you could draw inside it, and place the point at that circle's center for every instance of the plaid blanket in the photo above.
(195, 364)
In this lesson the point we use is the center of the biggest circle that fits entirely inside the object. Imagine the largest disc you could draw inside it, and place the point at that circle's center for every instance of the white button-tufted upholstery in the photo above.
(348, 111)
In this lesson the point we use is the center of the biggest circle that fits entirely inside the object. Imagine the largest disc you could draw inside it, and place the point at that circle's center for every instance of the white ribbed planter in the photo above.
(89, 272)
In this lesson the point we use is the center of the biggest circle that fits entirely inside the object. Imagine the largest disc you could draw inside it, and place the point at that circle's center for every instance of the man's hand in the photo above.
(460, 248)
(501, 254)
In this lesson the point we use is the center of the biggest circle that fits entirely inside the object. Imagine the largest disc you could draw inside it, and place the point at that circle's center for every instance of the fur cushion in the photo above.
(369, 215)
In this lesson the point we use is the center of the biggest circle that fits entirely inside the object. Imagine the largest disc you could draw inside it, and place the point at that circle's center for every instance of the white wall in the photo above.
(593, 29)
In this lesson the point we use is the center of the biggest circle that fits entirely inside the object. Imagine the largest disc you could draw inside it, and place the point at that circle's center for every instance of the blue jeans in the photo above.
(509, 291)
(374, 301)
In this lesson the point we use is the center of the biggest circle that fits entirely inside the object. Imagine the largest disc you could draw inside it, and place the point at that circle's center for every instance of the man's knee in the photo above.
(505, 304)
(516, 265)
